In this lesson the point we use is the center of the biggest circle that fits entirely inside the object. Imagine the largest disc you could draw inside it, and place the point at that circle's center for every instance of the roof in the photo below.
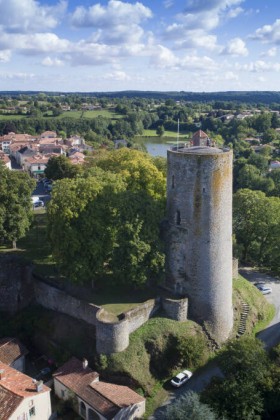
(14, 387)
(199, 135)
(107, 399)
(11, 349)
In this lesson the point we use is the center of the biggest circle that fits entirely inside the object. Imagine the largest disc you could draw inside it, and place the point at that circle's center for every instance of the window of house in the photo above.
(32, 412)
(83, 410)
(62, 393)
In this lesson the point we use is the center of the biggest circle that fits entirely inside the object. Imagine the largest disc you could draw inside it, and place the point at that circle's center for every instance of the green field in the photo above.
(91, 114)
(152, 133)
(8, 117)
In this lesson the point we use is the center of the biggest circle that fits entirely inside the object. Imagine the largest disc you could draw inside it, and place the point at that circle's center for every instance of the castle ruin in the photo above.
(199, 234)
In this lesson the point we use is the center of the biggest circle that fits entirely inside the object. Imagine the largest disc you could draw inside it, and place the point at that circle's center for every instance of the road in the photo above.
(41, 193)
(270, 336)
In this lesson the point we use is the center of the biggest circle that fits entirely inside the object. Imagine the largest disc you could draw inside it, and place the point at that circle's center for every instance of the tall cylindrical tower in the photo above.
(199, 237)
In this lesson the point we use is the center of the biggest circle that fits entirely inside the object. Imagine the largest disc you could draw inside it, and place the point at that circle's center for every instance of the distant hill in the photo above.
(264, 97)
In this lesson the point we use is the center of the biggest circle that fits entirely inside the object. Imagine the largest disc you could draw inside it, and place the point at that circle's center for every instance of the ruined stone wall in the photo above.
(113, 336)
(176, 309)
(16, 285)
(199, 237)
(53, 298)
(235, 268)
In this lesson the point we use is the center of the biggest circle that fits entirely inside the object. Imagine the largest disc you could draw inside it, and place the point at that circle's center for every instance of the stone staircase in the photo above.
(243, 319)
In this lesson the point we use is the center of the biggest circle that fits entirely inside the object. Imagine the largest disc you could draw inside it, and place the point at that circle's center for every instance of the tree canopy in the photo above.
(15, 204)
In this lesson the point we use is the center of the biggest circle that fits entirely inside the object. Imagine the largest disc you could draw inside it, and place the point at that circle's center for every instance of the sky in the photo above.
(159, 45)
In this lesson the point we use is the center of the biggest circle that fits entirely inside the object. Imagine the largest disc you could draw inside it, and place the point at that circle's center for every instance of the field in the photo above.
(152, 133)
(8, 117)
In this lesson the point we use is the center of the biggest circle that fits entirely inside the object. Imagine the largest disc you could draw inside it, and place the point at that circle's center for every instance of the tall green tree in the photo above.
(189, 407)
(59, 167)
(15, 204)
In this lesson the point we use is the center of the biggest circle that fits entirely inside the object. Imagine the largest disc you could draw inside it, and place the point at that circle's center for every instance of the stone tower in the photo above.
(199, 234)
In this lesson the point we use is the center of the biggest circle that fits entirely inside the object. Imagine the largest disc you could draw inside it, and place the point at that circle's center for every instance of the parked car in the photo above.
(181, 378)
(39, 203)
(265, 290)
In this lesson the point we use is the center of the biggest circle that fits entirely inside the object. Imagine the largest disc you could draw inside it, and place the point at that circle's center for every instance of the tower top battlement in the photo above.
(199, 150)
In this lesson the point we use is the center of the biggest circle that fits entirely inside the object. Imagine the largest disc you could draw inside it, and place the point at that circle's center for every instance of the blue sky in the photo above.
(190, 45)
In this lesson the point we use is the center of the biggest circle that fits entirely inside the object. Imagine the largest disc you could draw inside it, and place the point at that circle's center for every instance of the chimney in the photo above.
(2, 374)
(39, 386)
(85, 363)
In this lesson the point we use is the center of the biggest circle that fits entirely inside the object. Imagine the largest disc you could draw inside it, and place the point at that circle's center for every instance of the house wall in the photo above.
(135, 411)
(19, 364)
(42, 404)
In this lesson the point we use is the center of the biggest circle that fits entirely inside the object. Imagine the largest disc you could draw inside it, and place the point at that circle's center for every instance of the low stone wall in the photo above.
(176, 309)
(113, 336)
(52, 298)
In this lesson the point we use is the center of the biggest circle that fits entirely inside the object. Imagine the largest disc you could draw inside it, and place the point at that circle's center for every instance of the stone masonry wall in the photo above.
(176, 309)
(16, 286)
(52, 298)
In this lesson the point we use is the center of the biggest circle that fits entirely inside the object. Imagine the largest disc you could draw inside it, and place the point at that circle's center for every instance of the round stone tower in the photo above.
(199, 234)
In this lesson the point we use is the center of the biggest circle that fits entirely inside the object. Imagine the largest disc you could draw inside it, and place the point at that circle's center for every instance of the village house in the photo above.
(274, 164)
(36, 164)
(4, 158)
(76, 158)
(48, 135)
(12, 353)
(12, 138)
(96, 399)
(21, 397)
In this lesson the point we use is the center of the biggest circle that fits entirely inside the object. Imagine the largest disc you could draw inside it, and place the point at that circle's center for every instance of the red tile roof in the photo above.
(11, 349)
(107, 399)
(14, 387)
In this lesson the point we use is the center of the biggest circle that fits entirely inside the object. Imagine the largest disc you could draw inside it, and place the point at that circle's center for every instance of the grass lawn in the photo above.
(152, 133)
(90, 114)
(11, 117)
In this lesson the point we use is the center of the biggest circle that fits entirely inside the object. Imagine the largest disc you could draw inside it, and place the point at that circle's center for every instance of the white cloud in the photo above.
(168, 3)
(5, 56)
(117, 76)
(165, 58)
(17, 76)
(235, 46)
(233, 13)
(37, 43)
(28, 15)
(52, 62)
(116, 13)
(195, 38)
(229, 75)
(270, 53)
(259, 66)
(268, 33)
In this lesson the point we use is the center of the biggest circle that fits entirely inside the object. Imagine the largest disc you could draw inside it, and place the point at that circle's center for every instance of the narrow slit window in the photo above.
(173, 181)
(178, 217)
(203, 189)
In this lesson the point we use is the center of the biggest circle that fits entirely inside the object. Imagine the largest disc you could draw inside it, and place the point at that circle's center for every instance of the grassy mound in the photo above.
(261, 312)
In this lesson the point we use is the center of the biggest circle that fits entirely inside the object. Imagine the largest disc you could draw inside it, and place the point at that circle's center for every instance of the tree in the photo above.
(189, 407)
(256, 224)
(160, 130)
(245, 366)
(59, 167)
(15, 204)
(109, 227)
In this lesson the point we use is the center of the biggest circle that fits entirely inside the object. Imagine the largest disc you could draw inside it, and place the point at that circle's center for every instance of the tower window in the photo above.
(178, 217)
(173, 181)
(203, 189)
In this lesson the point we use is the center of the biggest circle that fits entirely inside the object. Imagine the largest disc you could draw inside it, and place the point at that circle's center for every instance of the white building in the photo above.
(22, 398)
(95, 399)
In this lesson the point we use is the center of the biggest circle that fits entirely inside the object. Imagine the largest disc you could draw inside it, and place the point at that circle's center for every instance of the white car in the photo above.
(181, 378)
(265, 290)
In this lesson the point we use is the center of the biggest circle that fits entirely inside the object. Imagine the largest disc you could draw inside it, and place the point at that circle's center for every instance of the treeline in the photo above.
(250, 97)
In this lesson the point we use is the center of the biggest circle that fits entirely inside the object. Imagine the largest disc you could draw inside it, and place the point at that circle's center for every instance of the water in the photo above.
(156, 146)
